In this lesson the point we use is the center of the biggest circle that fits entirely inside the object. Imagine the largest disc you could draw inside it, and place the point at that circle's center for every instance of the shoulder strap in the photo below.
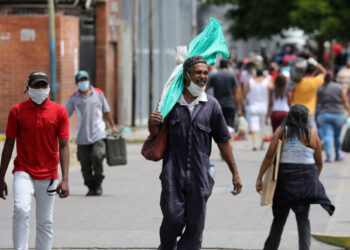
(277, 160)
(281, 134)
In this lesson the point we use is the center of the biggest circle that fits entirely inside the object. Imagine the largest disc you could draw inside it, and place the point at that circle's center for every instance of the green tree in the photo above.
(325, 19)
(258, 18)
(321, 19)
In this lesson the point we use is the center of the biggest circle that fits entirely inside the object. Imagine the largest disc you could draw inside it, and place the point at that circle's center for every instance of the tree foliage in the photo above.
(326, 19)
(323, 19)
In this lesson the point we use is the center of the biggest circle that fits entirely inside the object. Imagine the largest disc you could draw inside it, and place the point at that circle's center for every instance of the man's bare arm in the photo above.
(154, 120)
(226, 151)
(5, 160)
(237, 93)
(108, 116)
(63, 187)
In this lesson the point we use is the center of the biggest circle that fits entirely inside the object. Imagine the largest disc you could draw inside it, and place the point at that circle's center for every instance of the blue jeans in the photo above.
(331, 125)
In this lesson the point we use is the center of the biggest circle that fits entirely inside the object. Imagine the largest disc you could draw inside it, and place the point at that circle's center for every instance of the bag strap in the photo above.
(280, 144)
(277, 160)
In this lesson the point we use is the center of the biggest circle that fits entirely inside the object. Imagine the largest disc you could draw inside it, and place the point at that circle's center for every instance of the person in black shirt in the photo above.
(228, 93)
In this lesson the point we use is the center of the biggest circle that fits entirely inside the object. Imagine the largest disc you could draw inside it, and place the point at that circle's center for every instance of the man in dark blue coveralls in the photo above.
(186, 183)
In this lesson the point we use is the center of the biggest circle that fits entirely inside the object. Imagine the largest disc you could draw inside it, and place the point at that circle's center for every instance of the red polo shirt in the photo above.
(37, 130)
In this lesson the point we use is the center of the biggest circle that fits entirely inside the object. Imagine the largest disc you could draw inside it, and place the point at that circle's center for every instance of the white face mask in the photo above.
(38, 95)
(83, 86)
(194, 89)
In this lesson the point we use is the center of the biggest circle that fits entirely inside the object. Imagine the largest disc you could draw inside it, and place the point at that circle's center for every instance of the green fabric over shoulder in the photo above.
(209, 44)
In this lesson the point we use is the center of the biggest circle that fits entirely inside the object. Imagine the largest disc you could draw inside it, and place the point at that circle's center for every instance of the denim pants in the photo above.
(280, 216)
(331, 125)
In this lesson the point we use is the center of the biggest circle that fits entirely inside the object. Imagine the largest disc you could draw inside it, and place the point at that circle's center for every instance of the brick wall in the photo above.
(24, 47)
(108, 14)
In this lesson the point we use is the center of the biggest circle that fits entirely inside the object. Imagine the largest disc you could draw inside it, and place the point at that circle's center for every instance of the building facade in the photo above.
(87, 37)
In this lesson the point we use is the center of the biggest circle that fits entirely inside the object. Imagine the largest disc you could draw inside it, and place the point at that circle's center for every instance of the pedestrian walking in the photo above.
(256, 95)
(40, 129)
(298, 183)
(273, 70)
(305, 92)
(343, 77)
(186, 183)
(331, 98)
(228, 93)
(91, 107)
(279, 102)
(247, 74)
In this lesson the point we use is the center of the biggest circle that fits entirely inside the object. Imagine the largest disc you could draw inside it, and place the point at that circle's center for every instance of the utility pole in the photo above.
(134, 46)
(150, 55)
(52, 44)
(194, 18)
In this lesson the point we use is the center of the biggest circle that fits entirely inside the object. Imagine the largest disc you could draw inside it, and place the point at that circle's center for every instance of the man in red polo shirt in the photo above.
(41, 129)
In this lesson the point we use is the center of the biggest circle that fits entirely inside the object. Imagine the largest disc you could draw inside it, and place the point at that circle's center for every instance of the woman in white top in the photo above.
(279, 102)
(256, 96)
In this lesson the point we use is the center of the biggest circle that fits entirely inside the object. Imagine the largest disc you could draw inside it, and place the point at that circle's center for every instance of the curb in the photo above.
(126, 248)
(335, 240)
(131, 141)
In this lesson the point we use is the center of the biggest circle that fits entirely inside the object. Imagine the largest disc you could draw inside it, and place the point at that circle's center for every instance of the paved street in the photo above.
(128, 214)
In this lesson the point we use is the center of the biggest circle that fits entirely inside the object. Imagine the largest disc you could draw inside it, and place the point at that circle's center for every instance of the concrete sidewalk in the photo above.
(128, 215)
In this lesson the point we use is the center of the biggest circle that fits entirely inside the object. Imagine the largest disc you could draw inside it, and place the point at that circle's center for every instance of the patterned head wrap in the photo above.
(192, 61)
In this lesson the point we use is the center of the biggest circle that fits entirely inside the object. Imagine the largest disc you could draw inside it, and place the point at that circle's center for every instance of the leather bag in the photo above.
(154, 146)
(270, 177)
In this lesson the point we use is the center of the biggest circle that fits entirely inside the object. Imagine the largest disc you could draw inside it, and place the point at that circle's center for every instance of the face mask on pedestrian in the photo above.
(83, 86)
(194, 89)
(38, 95)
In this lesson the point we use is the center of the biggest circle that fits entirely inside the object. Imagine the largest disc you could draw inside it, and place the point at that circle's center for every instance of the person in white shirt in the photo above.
(256, 95)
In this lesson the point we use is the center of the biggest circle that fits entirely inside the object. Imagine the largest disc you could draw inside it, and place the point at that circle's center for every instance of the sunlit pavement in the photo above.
(128, 215)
